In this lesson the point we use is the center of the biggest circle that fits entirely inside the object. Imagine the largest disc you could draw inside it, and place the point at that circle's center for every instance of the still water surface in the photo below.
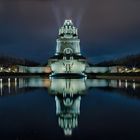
(75, 109)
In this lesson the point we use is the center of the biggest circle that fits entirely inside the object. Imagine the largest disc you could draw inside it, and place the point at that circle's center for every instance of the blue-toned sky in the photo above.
(107, 28)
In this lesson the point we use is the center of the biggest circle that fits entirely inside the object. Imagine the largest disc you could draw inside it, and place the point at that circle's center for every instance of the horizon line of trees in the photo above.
(9, 61)
(129, 61)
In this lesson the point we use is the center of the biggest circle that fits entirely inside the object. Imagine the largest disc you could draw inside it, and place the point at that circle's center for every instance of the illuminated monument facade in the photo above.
(68, 58)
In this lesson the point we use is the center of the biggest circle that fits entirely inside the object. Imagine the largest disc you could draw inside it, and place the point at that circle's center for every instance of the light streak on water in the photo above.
(9, 85)
(1, 87)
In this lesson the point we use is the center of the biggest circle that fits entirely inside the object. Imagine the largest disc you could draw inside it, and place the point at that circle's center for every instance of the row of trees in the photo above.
(9, 61)
(129, 61)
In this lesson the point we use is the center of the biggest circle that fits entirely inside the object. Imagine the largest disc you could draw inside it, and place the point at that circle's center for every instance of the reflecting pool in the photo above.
(36, 108)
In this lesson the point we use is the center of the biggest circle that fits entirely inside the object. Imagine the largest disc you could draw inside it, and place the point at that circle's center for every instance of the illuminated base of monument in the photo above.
(66, 65)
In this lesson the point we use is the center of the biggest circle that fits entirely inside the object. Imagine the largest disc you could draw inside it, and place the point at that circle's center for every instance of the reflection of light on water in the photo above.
(120, 83)
(1, 86)
(134, 85)
(113, 83)
(126, 84)
(68, 110)
(9, 85)
(20, 83)
(63, 86)
(96, 83)
(47, 83)
(68, 102)
(15, 84)
(67, 86)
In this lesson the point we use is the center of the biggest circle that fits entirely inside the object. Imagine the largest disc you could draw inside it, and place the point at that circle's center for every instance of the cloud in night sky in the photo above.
(107, 29)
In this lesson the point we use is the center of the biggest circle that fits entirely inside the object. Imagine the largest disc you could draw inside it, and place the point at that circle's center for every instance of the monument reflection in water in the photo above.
(68, 94)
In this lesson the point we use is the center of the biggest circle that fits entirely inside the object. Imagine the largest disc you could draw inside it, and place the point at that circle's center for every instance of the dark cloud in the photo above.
(107, 27)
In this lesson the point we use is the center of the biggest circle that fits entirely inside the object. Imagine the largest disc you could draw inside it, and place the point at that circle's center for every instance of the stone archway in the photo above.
(68, 51)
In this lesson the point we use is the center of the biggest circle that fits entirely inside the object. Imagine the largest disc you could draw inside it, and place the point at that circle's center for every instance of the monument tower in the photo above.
(68, 58)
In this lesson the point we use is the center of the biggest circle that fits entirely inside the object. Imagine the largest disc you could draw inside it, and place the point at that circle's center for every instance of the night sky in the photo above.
(107, 28)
